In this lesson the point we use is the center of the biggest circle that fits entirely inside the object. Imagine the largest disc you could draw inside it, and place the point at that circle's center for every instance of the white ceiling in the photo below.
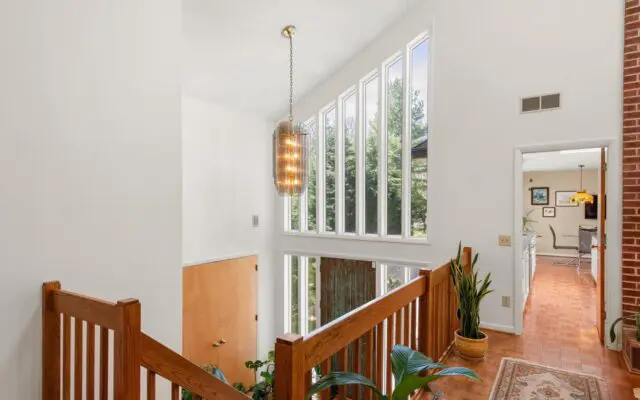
(234, 54)
(561, 160)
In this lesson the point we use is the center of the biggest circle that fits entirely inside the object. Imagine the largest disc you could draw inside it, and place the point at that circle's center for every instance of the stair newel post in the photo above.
(50, 343)
(127, 357)
(290, 371)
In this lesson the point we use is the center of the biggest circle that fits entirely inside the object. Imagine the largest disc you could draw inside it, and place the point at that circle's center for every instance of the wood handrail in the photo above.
(330, 338)
(86, 308)
(172, 366)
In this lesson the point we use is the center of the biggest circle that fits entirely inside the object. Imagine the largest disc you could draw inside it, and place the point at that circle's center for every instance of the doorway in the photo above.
(560, 242)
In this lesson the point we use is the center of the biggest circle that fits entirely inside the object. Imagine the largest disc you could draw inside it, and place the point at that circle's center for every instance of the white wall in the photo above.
(485, 57)
(567, 219)
(89, 166)
(227, 179)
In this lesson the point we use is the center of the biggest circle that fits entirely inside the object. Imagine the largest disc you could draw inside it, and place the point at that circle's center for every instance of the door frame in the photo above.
(613, 226)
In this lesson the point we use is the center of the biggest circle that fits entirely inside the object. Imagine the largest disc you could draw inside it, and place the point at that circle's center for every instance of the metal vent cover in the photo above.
(540, 103)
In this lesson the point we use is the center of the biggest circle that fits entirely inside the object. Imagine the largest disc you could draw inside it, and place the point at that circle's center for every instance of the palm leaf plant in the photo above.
(469, 293)
(634, 319)
(408, 367)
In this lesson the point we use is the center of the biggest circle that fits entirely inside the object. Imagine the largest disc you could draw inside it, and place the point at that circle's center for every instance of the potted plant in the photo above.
(630, 341)
(263, 390)
(409, 369)
(469, 340)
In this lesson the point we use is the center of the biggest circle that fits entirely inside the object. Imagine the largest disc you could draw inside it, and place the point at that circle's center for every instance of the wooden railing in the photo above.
(91, 322)
(420, 315)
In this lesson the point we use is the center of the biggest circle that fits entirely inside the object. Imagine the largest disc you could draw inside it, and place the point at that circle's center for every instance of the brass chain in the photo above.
(291, 78)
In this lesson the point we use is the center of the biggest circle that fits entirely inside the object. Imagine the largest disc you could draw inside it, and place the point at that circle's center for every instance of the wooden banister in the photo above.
(333, 336)
(131, 350)
(166, 363)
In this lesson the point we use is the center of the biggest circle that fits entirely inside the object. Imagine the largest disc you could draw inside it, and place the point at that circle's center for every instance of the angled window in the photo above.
(330, 169)
(394, 118)
(418, 78)
(349, 132)
(371, 151)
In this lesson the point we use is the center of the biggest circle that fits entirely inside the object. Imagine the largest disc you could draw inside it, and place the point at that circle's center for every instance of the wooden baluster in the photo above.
(91, 361)
(175, 391)
(104, 363)
(342, 366)
(325, 368)
(66, 357)
(151, 385)
(412, 325)
(379, 354)
(388, 353)
(357, 345)
(423, 314)
(307, 381)
(127, 351)
(406, 326)
(398, 322)
(50, 343)
(77, 362)
(368, 361)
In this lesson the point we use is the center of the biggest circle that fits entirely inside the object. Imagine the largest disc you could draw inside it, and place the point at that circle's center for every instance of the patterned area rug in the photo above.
(524, 380)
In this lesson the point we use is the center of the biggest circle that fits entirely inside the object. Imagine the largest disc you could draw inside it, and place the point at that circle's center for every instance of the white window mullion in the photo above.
(406, 145)
(360, 165)
(340, 157)
(303, 292)
(382, 153)
(287, 213)
(287, 294)
(320, 174)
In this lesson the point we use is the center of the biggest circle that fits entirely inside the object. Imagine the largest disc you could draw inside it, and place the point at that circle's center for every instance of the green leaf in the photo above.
(343, 378)
(411, 383)
(406, 361)
(458, 371)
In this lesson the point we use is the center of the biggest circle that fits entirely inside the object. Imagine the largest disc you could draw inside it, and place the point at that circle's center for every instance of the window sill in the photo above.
(367, 238)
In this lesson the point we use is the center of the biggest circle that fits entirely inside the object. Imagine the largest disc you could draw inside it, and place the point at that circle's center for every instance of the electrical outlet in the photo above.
(504, 240)
(255, 221)
(506, 301)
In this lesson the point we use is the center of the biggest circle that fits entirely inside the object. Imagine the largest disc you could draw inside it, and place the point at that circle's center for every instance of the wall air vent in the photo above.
(540, 103)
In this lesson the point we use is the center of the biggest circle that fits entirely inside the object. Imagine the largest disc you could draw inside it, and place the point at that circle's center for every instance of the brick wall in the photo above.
(631, 160)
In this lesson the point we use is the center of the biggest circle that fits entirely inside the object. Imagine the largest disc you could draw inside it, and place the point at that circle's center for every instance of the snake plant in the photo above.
(408, 367)
(469, 293)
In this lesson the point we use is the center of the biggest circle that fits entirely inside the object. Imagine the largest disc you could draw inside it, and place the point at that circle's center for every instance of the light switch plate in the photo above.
(506, 301)
(255, 221)
(504, 240)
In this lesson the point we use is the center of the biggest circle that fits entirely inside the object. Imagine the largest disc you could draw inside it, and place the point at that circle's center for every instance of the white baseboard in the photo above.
(497, 327)
(557, 255)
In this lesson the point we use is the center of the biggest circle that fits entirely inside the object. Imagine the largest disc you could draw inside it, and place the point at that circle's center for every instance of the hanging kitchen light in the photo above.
(581, 196)
(290, 142)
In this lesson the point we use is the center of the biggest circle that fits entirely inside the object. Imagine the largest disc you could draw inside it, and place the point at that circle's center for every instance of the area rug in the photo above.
(524, 380)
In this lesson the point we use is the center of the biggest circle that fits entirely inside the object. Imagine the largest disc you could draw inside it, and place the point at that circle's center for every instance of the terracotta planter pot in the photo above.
(472, 349)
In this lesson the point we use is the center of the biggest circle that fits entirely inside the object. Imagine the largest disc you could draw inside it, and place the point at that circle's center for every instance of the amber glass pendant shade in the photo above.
(290, 158)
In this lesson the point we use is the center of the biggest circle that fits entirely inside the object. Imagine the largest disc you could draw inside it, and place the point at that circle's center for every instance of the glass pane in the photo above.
(419, 65)
(414, 272)
(349, 129)
(295, 299)
(312, 295)
(295, 212)
(371, 134)
(394, 148)
(313, 165)
(395, 277)
(330, 171)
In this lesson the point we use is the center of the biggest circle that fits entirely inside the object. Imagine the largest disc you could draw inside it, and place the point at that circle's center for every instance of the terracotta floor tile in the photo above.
(559, 331)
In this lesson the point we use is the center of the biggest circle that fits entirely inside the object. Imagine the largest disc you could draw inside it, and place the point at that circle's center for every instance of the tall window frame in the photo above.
(337, 214)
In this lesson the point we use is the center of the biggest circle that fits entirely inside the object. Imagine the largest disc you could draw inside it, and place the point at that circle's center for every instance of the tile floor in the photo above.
(559, 331)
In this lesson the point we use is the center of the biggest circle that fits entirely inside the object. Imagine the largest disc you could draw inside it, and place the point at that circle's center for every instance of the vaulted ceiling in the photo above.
(234, 54)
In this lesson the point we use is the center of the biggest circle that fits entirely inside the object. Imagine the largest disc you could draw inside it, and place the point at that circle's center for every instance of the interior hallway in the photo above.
(559, 331)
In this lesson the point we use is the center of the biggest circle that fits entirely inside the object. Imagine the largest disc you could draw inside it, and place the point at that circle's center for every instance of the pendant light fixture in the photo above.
(581, 196)
(290, 142)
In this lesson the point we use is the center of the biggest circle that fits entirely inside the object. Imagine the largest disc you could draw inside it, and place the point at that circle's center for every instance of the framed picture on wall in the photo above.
(563, 198)
(549, 212)
(539, 196)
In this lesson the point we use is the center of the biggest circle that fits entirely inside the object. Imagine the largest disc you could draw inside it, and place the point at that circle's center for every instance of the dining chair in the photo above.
(585, 234)
(559, 247)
